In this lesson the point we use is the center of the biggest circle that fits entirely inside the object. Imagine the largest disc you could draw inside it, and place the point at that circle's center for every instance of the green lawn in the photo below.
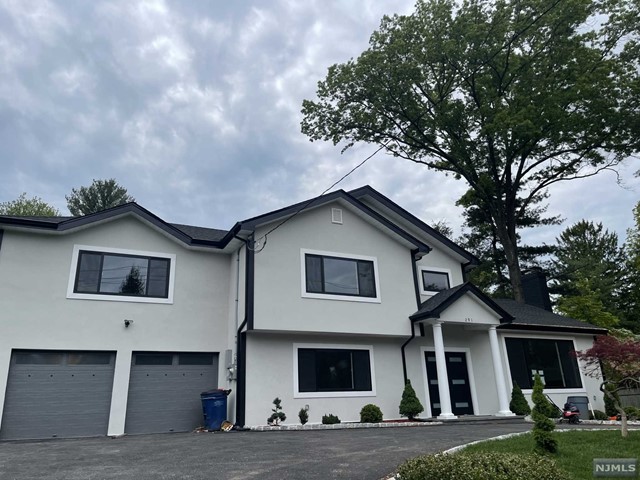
(576, 449)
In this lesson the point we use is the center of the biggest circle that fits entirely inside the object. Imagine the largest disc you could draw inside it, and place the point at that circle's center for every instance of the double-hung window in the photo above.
(333, 371)
(551, 359)
(328, 275)
(117, 274)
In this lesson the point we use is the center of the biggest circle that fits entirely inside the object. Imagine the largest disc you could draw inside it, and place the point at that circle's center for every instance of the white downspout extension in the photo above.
(503, 400)
(443, 377)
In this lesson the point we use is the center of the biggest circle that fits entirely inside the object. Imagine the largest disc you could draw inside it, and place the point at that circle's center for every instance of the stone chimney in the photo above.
(536, 292)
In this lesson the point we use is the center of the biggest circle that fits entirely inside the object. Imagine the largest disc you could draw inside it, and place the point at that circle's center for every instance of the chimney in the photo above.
(536, 292)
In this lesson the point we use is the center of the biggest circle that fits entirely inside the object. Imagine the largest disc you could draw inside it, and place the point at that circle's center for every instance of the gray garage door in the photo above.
(164, 390)
(57, 394)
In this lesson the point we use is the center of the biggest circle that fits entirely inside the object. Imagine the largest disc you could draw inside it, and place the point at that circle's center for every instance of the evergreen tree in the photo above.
(630, 298)
(543, 426)
(410, 405)
(519, 404)
(100, 195)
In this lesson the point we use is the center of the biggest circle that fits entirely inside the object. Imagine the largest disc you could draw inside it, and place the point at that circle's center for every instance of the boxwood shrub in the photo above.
(481, 466)
(370, 413)
(330, 419)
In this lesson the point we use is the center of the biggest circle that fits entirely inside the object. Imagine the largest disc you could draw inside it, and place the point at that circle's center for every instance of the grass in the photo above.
(576, 449)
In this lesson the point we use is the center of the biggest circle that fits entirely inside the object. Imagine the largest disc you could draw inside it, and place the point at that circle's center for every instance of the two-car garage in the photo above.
(68, 393)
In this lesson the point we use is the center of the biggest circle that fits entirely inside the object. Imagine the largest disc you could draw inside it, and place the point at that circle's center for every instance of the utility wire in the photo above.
(310, 202)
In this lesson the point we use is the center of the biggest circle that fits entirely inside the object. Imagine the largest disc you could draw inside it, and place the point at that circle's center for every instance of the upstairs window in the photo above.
(341, 277)
(434, 281)
(121, 275)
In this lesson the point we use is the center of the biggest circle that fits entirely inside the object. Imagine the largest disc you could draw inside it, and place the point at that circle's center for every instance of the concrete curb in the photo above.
(339, 426)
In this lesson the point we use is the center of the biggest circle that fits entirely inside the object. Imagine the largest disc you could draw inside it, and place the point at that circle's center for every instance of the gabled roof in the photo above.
(528, 317)
(338, 195)
(368, 191)
(190, 235)
(433, 307)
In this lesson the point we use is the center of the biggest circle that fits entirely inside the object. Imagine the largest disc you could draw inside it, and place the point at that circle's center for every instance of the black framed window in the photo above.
(334, 370)
(340, 276)
(119, 274)
(433, 281)
(553, 360)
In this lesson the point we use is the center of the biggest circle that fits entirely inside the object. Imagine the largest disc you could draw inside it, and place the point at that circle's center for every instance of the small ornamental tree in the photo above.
(410, 405)
(278, 415)
(620, 360)
(519, 404)
(543, 425)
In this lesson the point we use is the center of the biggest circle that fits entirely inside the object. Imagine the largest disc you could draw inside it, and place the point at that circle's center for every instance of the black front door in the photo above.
(459, 389)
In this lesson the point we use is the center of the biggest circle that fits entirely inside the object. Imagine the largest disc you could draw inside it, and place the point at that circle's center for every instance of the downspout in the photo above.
(1, 235)
(414, 260)
(241, 346)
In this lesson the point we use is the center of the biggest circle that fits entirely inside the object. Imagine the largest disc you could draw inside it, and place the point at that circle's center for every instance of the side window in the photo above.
(115, 274)
(337, 276)
(434, 281)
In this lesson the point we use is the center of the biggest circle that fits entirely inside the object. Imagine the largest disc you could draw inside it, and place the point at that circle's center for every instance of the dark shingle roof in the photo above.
(201, 233)
(528, 317)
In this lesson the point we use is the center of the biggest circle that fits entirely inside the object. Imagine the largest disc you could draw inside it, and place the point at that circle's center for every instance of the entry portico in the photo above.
(449, 311)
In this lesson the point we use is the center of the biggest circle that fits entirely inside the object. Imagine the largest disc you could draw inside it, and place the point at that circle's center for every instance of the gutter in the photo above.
(414, 259)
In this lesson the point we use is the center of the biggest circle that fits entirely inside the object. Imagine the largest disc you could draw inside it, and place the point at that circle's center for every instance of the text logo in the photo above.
(615, 467)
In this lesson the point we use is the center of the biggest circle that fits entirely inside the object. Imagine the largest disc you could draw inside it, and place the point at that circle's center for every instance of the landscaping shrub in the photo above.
(543, 426)
(480, 466)
(278, 415)
(330, 419)
(609, 406)
(410, 405)
(370, 413)
(303, 415)
(519, 404)
(598, 415)
(632, 413)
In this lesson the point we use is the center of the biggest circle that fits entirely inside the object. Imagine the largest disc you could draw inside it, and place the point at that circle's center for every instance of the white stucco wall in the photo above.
(36, 313)
(270, 374)
(279, 301)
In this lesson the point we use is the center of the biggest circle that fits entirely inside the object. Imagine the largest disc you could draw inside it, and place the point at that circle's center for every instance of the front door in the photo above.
(459, 389)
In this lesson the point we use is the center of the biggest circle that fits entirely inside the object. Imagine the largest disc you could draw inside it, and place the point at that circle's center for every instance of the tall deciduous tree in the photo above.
(28, 207)
(511, 96)
(630, 299)
(587, 272)
(100, 195)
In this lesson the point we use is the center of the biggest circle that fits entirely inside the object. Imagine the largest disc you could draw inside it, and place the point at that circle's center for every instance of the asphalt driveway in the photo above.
(326, 454)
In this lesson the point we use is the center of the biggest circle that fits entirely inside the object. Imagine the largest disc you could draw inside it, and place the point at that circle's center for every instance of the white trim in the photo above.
(328, 296)
(119, 298)
(423, 268)
(502, 338)
(472, 382)
(337, 346)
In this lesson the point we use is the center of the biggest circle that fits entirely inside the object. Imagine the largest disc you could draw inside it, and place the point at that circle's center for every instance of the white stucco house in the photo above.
(113, 323)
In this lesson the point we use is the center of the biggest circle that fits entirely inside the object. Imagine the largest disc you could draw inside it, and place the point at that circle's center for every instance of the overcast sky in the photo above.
(194, 107)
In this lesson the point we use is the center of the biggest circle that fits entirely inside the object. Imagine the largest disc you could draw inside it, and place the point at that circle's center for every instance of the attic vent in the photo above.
(336, 215)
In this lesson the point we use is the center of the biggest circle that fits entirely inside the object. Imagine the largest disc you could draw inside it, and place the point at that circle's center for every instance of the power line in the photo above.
(310, 202)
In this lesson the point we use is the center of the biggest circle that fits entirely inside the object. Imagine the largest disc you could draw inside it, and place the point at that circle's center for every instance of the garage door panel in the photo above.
(46, 400)
(166, 397)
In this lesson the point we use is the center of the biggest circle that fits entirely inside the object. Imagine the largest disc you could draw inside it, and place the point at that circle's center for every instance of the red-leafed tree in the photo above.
(617, 362)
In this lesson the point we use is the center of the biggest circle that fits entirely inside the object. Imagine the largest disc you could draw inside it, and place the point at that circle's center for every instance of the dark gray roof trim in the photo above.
(369, 191)
(433, 307)
(529, 317)
(193, 236)
(251, 223)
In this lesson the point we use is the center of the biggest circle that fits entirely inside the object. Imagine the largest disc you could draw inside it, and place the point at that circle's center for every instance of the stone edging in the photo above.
(339, 426)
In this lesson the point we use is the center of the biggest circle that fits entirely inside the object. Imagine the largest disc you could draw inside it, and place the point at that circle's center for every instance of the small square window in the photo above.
(435, 281)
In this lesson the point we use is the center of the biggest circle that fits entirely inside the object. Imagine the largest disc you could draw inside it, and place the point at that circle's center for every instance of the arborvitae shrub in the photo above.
(303, 415)
(519, 404)
(410, 405)
(543, 426)
(370, 413)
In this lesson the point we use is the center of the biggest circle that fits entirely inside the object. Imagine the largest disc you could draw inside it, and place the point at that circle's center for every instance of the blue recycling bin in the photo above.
(214, 408)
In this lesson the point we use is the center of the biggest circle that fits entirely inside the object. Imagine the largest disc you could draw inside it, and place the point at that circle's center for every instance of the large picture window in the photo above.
(553, 360)
(339, 276)
(333, 371)
(121, 275)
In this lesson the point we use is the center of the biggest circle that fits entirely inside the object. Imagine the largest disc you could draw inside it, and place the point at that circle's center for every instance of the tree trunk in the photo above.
(509, 241)
(623, 415)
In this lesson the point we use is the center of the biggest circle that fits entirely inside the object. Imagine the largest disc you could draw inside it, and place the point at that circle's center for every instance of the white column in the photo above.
(503, 399)
(443, 378)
